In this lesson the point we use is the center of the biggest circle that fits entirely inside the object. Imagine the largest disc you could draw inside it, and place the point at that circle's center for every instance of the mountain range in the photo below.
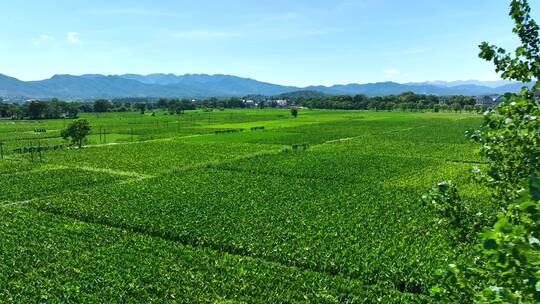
(92, 86)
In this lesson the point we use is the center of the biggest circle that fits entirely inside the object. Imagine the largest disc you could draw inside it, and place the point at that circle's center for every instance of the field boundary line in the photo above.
(17, 203)
(28, 201)
(21, 172)
(424, 157)
(292, 176)
(104, 170)
(11, 158)
(216, 164)
(144, 141)
(341, 139)
(359, 136)
(197, 244)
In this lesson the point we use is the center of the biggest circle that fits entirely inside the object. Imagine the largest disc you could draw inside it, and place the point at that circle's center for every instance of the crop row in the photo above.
(367, 231)
(55, 259)
(43, 182)
(155, 156)
(243, 220)
(409, 132)
(12, 167)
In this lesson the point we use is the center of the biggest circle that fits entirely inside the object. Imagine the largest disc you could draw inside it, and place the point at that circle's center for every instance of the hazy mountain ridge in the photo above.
(91, 86)
(483, 83)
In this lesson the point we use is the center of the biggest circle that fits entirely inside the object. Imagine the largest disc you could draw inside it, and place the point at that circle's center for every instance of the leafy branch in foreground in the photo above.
(506, 268)
(512, 251)
(510, 139)
(525, 64)
(510, 133)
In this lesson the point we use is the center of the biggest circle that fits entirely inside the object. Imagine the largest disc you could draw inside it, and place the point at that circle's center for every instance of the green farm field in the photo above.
(200, 208)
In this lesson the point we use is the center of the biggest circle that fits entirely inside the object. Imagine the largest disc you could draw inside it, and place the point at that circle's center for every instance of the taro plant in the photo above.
(453, 212)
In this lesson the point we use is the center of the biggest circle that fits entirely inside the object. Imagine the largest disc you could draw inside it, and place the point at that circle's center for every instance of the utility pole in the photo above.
(39, 151)
(131, 133)
(31, 151)
(2, 149)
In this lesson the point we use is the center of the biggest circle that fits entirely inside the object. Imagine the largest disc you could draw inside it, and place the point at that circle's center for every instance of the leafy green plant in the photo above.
(512, 251)
(510, 134)
(53, 259)
(341, 219)
(510, 139)
(506, 268)
(453, 212)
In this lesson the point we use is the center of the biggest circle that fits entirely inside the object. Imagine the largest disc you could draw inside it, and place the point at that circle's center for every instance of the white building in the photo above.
(487, 100)
(250, 103)
(282, 102)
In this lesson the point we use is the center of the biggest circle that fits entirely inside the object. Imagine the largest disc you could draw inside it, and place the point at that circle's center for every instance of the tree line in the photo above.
(408, 101)
(40, 109)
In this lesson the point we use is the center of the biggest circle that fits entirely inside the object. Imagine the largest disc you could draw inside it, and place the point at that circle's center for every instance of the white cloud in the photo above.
(392, 72)
(73, 37)
(42, 39)
(46, 37)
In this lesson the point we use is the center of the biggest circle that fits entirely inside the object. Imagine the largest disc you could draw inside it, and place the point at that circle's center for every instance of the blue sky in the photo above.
(301, 42)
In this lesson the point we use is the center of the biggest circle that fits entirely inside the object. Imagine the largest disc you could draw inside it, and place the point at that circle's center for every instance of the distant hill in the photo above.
(213, 85)
(491, 84)
(10, 87)
(91, 86)
(387, 88)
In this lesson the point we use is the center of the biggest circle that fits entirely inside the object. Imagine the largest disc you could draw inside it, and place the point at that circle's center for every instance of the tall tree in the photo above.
(102, 105)
(294, 112)
(36, 109)
(77, 132)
